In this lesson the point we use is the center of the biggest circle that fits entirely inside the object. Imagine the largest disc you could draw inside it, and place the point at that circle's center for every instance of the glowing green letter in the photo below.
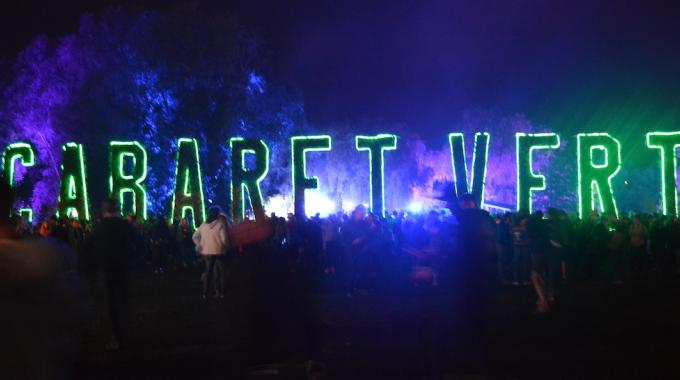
(26, 213)
(460, 173)
(73, 199)
(243, 180)
(527, 180)
(299, 146)
(593, 177)
(19, 151)
(667, 143)
(188, 194)
(120, 182)
(376, 147)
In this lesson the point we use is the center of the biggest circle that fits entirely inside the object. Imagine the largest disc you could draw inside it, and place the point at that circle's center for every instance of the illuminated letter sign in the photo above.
(20, 151)
(299, 146)
(188, 194)
(73, 199)
(24, 153)
(376, 147)
(667, 143)
(596, 177)
(243, 179)
(121, 182)
(598, 161)
(527, 180)
(460, 174)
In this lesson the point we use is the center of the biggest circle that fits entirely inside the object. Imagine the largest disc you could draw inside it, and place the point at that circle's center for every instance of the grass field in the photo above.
(262, 329)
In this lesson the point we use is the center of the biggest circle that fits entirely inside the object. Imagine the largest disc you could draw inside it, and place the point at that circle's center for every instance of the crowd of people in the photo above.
(461, 249)
(360, 249)
(363, 251)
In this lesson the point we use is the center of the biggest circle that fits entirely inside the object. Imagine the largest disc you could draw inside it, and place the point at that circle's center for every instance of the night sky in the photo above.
(424, 63)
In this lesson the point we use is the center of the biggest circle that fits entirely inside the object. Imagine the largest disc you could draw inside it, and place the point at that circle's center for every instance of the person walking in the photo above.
(538, 233)
(558, 237)
(637, 233)
(521, 258)
(674, 242)
(111, 247)
(212, 242)
(354, 235)
(159, 242)
(472, 270)
(184, 237)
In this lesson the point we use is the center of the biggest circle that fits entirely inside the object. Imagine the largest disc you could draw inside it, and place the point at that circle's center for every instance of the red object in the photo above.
(422, 275)
(250, 232)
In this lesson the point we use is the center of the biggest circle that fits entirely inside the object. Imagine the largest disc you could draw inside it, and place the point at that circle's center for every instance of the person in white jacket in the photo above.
(212, 242)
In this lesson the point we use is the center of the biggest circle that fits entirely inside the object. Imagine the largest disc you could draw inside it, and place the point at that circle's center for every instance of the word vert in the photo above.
(128, 172)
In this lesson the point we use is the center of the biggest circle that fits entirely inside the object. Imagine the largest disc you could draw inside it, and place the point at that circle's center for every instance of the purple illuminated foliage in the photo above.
(414, 170)
(155, 77)
(151, 77)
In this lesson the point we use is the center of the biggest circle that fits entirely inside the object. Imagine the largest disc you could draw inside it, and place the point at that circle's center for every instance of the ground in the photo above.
(596, 330)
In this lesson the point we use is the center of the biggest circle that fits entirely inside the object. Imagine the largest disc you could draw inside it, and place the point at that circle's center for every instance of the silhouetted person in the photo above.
(40, 305)
(657, 243)
(521, 257)
(111, 246)
(185, 242)
(537, 230)
(159, 242)
(354, 236)
(473, 275)
(674, 242)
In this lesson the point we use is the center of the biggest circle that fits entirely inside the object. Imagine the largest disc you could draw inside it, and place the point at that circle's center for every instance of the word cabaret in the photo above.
(594, 178)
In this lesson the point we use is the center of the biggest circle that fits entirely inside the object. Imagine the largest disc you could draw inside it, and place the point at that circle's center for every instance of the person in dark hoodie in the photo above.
(110, 248)
(212, 241)
(472, 270)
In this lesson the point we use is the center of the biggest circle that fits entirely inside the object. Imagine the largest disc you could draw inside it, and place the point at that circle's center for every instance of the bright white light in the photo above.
(279, 204)
(348, 205)
(73, 214)
(316, 202)
(415, 207)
